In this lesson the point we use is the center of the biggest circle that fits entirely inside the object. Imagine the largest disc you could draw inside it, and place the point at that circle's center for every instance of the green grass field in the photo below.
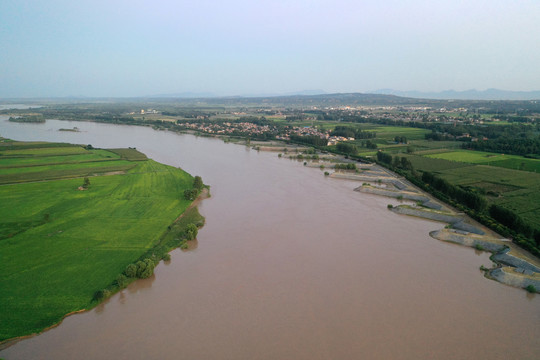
(44, 151)
(59, 244)
(433, 165)
(513, 189)
(129, 154)
(11, 162)
(435, 146)
(500, 181)
(390, 132)
(500, 160)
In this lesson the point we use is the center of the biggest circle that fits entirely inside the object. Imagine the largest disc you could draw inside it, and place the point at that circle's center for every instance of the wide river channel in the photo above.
(290, 265)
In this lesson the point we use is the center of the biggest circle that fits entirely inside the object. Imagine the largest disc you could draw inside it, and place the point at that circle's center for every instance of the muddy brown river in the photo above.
(290, 265)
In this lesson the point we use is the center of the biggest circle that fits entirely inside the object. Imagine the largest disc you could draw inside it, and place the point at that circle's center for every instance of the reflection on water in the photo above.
(122, 297)
(290, 265)
(191, 246)
(101, 307)
(141, 285)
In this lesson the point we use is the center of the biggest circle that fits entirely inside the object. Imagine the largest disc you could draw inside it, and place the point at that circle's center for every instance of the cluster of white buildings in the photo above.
(246, 128)
(229, 128)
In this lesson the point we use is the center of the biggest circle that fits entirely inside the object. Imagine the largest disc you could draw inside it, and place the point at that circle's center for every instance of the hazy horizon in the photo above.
(140, 48)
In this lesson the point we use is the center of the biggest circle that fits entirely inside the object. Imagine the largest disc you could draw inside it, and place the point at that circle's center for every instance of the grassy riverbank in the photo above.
(61, 241)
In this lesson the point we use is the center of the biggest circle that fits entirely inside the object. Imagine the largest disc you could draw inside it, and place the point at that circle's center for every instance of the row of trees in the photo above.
(384, 157)
(142, 269)
(468, 198)
(370, 144)
(513, 221)
(354, 132)
(28, 119)
(309, 140)
(395, 162)
(435, 136)
(345, 148)
(400, 139)
(349, 166)
(509, 145)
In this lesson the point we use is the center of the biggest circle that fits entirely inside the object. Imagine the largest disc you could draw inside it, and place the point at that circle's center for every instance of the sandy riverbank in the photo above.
(512, 265)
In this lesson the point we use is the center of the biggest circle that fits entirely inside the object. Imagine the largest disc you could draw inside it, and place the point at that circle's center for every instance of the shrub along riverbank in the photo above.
(87, 231)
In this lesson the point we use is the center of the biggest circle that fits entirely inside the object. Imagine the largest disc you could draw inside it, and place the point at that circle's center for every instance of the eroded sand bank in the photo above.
(513, 266)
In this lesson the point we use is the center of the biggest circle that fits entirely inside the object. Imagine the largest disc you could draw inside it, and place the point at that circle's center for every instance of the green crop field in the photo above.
(8, 144)
(427, 145)
(501, 182)
(433, 165)
(473, 157)
(500, 160)
(393, 148)
(11, 162)
(514, 189)
(367, 152)
(50, 172)
(129, 154)
(60, 244)
(44, 151)
(520, 163)
(390, 132)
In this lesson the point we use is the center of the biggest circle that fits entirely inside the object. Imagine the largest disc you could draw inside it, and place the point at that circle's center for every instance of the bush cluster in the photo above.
(191, 194)
(468, 198)
(349, 166)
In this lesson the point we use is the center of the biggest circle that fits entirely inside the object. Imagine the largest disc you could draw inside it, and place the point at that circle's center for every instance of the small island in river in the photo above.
(79, 224)
(74, 129)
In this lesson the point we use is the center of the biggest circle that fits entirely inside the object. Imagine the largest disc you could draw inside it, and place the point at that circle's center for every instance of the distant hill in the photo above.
(319, 101)
(188, 95)
(199, 95)
(489, 94)
(326, 100)
(343, 100)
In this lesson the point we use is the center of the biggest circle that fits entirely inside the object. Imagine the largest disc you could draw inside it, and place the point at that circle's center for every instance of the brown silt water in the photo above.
(290, 265)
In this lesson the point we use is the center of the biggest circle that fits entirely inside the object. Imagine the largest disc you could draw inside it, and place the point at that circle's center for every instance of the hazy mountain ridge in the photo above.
(472, 94)
(336, 100)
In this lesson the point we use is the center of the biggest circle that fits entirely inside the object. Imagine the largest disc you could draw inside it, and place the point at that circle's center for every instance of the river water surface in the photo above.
(290, 265)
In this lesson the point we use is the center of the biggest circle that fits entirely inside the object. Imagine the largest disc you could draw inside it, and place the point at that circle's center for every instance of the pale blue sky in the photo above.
(239, 47)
